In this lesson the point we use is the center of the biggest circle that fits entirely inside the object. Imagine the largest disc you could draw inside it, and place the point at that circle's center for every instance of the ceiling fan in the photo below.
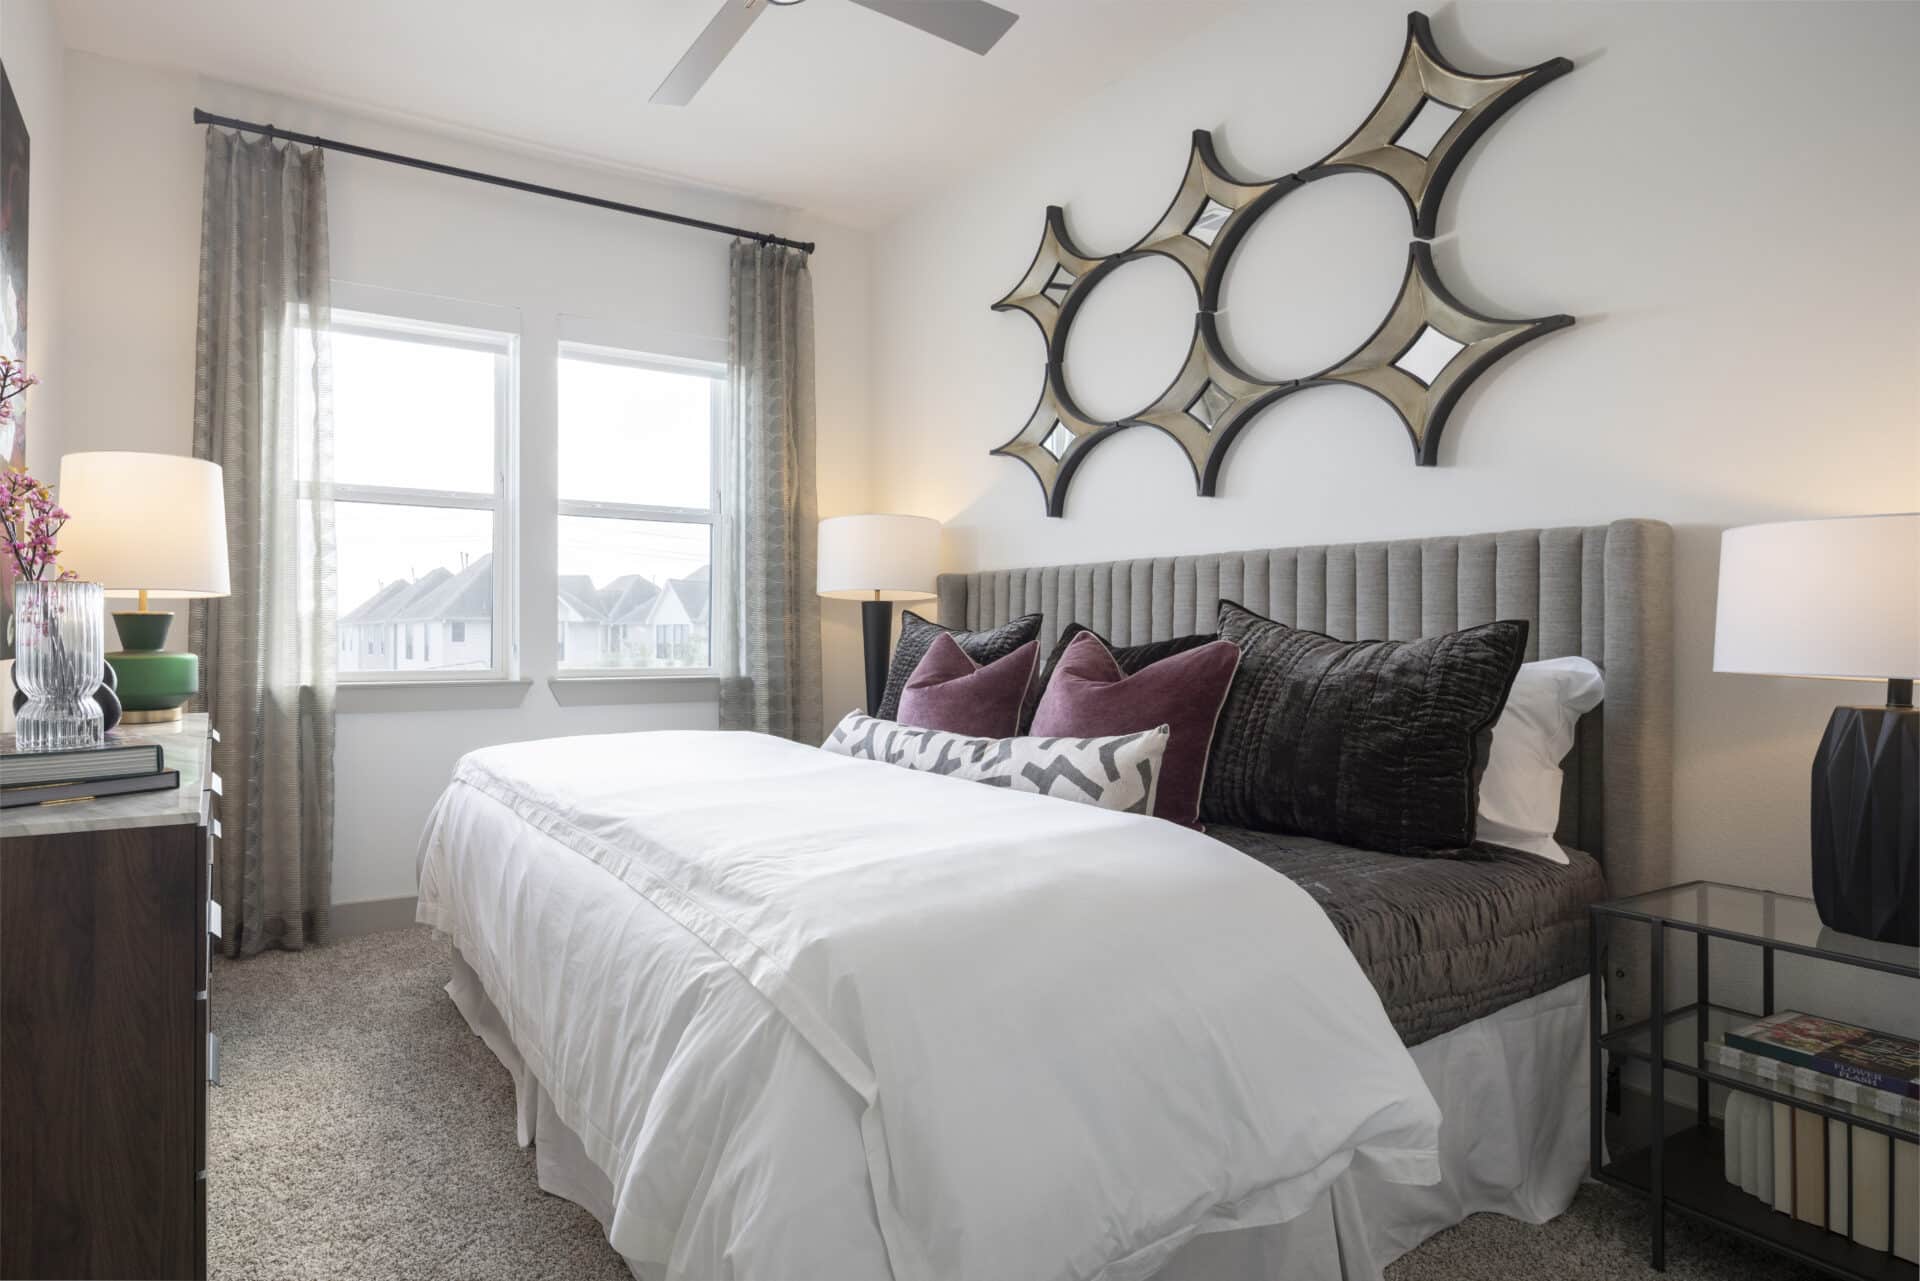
(971, 24)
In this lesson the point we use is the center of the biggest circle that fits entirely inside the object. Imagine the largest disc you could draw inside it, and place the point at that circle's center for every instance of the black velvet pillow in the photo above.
(1375, 744)
(916, 635)
(1130, 658)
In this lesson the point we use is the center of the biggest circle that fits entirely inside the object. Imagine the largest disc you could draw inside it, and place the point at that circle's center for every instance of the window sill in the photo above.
(575, 689)
(429, 695)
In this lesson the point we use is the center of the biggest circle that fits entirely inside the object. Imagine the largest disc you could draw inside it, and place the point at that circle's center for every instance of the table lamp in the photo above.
(146, 524)
(1841, 599)
(877, 560)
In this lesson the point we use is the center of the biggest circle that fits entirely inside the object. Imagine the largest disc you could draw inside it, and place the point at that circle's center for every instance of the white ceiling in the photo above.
(823, 106)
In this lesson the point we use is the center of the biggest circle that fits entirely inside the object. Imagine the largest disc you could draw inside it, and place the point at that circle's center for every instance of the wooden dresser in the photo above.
(105, 1053)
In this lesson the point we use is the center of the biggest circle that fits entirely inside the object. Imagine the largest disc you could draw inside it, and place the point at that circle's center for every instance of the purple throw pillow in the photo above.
(949, 691)
(1090, 697)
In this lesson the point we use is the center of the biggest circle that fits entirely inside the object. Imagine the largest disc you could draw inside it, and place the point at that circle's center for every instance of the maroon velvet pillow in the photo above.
(1090, 697)
(949, 691)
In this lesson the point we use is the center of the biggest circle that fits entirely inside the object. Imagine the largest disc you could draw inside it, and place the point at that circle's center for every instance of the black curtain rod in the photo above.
(454, 171)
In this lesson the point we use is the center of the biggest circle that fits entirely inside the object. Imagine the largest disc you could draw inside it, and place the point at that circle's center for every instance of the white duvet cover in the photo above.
(834, 1019)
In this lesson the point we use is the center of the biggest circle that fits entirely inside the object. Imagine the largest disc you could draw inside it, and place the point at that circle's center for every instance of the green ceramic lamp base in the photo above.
(153, 683)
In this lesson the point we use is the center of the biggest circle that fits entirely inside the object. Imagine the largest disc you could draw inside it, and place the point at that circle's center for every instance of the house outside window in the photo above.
(424, 415)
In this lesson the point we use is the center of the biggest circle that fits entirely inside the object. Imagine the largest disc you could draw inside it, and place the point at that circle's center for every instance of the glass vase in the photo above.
(59, 648)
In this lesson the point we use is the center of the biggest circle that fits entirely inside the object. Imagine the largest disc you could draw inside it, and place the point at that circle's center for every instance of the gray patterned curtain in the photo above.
(261, 410)
(767, 626)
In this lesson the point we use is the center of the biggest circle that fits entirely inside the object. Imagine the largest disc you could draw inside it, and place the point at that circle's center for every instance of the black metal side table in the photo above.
(1682, 1165)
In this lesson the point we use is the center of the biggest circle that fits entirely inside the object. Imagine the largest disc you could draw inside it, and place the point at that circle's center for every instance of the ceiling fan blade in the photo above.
(971, 24)
(707, 52)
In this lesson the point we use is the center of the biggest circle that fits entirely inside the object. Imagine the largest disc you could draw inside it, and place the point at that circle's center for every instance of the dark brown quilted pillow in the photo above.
(916, 636)
(1374, 744)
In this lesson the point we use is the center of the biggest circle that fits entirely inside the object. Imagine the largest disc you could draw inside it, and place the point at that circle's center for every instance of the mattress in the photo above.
(1445, 941)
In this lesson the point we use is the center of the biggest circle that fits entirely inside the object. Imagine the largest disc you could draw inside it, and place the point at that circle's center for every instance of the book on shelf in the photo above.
(87, 789)
(118, 757)
(1809, 1167)
(1814, 1159)
(1872, 1198)
(1749, 1145)
(1868, 1102)
(1782, 1132)
(1844, 1050)
(1839, 1166)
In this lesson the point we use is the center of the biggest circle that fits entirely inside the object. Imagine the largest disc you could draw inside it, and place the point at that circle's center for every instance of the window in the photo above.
(637, 509)
(423, 416)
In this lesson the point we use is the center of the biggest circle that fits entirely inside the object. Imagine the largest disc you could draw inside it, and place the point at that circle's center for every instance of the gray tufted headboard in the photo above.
(1603, 591)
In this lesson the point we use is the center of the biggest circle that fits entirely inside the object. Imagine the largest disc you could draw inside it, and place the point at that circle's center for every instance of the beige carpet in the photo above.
(364, 1132)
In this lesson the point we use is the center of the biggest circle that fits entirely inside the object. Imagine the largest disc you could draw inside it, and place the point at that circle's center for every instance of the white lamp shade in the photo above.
(896, 557)
(144, 522)
(1834, 598)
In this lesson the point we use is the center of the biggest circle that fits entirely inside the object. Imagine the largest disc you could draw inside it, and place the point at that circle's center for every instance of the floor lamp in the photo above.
(878, 560)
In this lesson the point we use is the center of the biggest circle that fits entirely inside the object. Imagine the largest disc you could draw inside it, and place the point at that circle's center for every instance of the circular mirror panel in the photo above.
(1314, 276)
(1130, 337)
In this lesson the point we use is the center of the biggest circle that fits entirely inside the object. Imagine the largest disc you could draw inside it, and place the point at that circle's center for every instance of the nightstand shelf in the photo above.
(1682, 1056)
(1683, 1168)
(1696, 1186)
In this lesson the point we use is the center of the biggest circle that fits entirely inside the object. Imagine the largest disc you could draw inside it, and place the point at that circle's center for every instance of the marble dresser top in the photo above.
(186, 747)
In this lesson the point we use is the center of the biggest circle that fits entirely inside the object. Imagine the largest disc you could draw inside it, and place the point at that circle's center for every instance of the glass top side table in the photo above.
(1682, 1166)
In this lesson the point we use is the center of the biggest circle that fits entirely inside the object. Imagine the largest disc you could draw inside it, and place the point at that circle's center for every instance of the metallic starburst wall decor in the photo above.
(1427, 351)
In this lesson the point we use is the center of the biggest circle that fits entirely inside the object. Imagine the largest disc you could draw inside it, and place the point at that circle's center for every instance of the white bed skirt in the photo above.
(1512, 1089)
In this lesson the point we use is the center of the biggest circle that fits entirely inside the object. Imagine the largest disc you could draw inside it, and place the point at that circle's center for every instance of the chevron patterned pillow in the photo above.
(1117, 773)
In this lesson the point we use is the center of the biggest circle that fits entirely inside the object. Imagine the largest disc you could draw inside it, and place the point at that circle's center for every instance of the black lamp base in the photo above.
(876, 628)
(1866, 823)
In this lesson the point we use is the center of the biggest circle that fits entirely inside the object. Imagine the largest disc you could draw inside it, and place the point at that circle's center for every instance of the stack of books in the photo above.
(1823, 1171)
(120, 765)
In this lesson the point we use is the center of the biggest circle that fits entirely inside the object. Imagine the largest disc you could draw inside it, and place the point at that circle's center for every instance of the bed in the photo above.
(1471, 968)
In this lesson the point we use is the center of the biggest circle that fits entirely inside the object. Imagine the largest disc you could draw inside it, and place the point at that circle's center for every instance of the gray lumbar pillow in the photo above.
(1117, 773)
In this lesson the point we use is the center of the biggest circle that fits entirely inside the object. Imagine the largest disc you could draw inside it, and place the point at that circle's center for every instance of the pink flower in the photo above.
(30, 521)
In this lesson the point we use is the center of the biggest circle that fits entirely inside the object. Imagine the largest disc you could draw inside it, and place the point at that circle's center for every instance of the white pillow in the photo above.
(1118, 773)
(1520, 791)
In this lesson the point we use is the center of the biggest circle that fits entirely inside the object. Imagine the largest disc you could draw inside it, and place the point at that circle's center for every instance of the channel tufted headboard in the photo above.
(1602, 591)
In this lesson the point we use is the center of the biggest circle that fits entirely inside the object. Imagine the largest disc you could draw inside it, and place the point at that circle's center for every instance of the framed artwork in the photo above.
(15, 165)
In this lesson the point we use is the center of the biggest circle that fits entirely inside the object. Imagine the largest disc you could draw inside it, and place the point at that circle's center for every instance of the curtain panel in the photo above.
(767, 632)
(261, 410)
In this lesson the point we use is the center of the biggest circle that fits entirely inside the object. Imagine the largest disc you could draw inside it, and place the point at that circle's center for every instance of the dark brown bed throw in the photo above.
(1444, 940)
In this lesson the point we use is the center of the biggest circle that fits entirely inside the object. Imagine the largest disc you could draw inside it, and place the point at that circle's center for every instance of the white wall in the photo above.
(1722, 193)
(134, 203)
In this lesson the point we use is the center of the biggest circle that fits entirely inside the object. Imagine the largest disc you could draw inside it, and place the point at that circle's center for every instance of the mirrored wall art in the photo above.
(1419, 359)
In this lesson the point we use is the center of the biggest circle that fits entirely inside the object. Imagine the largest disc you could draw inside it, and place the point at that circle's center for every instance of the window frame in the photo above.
(712, 516)
(399, 319)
